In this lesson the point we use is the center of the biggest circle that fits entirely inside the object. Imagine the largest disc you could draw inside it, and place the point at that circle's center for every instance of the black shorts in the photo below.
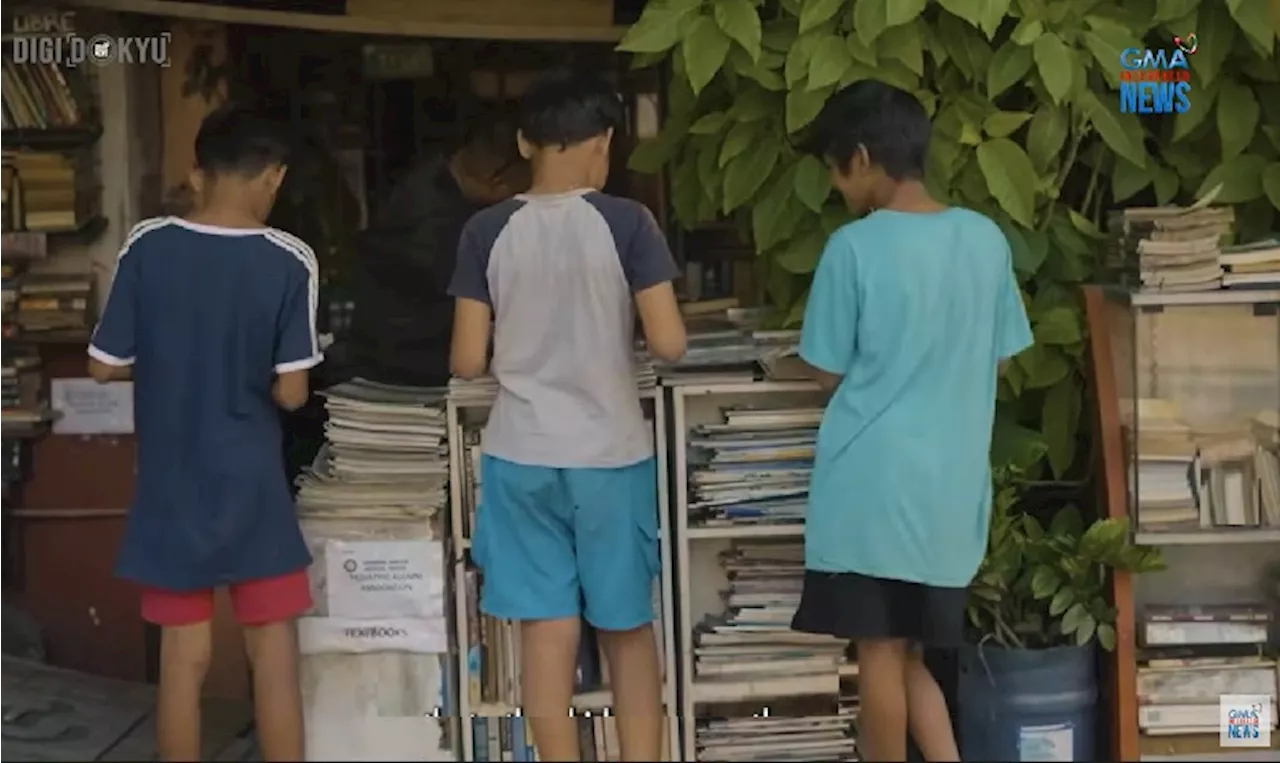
(853, 606)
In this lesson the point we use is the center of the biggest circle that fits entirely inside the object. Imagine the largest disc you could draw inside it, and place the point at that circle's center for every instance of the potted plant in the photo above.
(1037, 609)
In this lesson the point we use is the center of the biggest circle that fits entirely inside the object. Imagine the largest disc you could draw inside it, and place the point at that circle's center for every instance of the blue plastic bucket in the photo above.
(1027, 704)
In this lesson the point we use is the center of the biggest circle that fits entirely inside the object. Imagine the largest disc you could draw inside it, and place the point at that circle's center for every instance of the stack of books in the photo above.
(1189, 657)
(50, 191)
(778, 738)
(483, 389)
(23, 388)
(385, 456)
(1252, 266)
(1166, 473)
(53, 302)
(1177, 248)
(38, 96)
(752, 638)
(753, 468)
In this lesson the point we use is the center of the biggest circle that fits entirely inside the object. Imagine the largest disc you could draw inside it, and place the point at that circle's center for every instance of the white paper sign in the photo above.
(344, 635)
(87, 407)
(385, 578)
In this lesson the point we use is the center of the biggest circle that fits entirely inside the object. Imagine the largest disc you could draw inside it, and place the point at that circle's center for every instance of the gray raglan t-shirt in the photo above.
(559, 273)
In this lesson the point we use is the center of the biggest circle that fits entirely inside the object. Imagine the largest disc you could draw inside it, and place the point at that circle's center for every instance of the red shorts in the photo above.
(256, 602)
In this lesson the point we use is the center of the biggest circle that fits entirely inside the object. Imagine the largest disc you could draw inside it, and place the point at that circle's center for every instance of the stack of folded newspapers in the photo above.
(386, 453)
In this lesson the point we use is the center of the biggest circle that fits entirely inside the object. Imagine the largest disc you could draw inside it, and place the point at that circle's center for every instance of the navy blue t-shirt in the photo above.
(207, 316)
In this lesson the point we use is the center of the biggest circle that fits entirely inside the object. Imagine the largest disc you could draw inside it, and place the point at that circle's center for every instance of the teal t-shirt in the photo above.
(915, 312)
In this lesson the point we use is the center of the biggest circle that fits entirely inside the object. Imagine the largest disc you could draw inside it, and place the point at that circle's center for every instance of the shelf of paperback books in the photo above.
(751, 689)
(1201, 415)
(488, 654)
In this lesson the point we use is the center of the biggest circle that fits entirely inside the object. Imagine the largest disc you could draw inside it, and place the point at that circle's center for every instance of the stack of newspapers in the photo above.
(386, 453)
(485, 388)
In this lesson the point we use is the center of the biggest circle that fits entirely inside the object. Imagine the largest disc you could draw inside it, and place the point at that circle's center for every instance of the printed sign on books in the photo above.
(385, 578)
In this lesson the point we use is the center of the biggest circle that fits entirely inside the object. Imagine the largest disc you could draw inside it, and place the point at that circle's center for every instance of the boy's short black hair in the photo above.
(237, 139)
(890, 122)
(565, 107)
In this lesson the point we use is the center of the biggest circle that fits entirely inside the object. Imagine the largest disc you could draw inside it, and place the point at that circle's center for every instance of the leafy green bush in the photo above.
(1027, 129)
(1040, 587)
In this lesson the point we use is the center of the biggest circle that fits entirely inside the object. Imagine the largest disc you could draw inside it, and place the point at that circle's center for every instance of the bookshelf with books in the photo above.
(1187, 382)
(487, 649)
(750, 688)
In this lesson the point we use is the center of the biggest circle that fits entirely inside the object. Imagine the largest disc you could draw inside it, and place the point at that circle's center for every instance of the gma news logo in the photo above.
(1157, 81)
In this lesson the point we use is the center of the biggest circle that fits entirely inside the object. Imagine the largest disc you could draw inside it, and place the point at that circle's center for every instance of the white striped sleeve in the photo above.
(297, 342)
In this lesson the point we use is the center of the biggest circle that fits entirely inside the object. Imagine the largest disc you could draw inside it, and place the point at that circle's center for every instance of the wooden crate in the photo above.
(576, 13)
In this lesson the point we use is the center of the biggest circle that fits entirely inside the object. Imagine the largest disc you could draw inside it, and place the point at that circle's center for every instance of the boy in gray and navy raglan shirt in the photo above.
(568, 526)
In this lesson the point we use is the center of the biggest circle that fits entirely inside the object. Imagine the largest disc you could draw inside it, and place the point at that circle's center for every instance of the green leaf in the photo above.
(741, 137)
(802, 254)
(803, 105)
(1059, 420)
(658, 29)
(1053, 60)
(797, 62)
(983, 14)
(1169, 10)
(815, 13)
(1015, 445)
(704, 49)
(772, 218)
(870, 18)
(1085, 225)
(649, 156)
(1059, 325)
(861, 52)
(1166, 185)
(1238, 114)
(899, 12)
(1067, 522)
(740, 22)
(1008, 67)
(1027, 31)
(757, 71)
(812, 183)
(1042, 366)
(745, 174)
(1061, 601)
(1251, 17)
(1004, 123)
(1046, 135)
(1271, 183)
(1107, 637)
(829, 62)
(1217, 34)
(1071, 620)
(1010, 178)
(1240, 176)
(902, 43)
(709, 124)
(754, 104)
(1044, 583)
(1105, 42)
(1085, 629)
(834, 217)
(779, 34)
(1121, 132)
(1127, 179)
(1202, 100)
(645, 60)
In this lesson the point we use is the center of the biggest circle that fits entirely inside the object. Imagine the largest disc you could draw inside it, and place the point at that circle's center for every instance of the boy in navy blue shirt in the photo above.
(214, 316)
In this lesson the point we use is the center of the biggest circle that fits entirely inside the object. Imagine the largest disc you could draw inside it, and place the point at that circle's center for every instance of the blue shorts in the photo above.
(555, 543)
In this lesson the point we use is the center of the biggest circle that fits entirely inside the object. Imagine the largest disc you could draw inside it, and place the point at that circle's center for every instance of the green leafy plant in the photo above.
(1027, 129)
(1043, 586)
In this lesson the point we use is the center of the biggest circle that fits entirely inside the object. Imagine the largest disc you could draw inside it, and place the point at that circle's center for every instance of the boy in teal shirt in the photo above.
(912, 309)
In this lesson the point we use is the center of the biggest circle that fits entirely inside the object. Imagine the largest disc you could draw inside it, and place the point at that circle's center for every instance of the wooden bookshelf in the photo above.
(462, 414)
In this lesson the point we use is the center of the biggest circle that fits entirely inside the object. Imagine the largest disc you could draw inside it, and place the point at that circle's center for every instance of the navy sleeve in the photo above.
(470, 275)
(647, 260)
(115, 337)
(297, 343)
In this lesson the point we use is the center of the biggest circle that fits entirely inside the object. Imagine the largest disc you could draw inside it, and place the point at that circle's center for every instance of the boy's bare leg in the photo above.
(882, 691)
(277, 697)
(548, 656)
(637, 691)
(927, 713)
(185, 652)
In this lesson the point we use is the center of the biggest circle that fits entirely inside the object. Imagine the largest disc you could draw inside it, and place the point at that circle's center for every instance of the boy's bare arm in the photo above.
(105, 372)
(661, 321)
(291, 389)
(469, 351)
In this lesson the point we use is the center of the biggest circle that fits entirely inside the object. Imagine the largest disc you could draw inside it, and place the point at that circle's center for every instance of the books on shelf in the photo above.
(752, 638)
(385, 455)
(1176, 248)
(779, 738)
(50, 190)
(38, 96)
(1252, 266)
(53, 302)
(1192, 655)
(752, 469)
(510, 738)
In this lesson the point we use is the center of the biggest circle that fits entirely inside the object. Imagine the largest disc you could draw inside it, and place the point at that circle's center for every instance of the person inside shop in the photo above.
(568, 528)
(912, 310)
(403, 316)
(213, 314)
